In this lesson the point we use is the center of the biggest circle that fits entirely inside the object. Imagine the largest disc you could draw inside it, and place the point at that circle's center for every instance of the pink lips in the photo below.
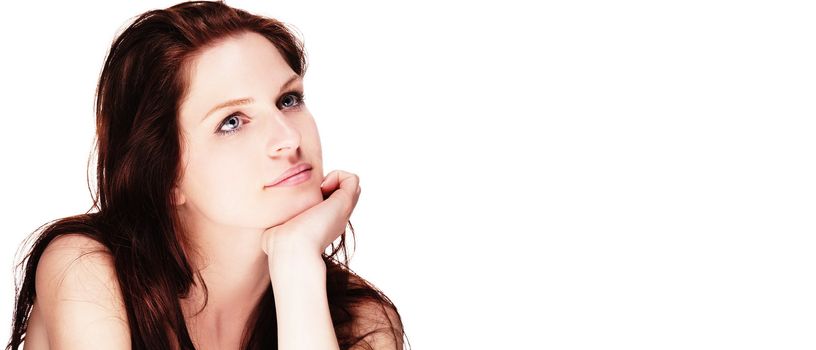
(295, 175)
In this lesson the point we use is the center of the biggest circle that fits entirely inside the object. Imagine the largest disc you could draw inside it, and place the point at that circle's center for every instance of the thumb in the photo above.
(330, 183)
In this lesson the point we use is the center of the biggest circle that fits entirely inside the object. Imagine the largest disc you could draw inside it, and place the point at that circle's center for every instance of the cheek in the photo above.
(224, 185)
(311, 139)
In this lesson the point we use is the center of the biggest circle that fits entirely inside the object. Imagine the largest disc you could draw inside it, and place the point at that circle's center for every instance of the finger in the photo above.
(349, 187)
(330, 183)
(349, 181)
(343, 199)
(357, 196)
(340, 179)
(339, 183)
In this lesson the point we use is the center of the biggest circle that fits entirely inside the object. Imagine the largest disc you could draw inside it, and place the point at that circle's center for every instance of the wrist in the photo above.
(298, 266)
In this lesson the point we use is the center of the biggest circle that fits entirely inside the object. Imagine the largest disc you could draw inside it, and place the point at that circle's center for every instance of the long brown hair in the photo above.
(144, 77)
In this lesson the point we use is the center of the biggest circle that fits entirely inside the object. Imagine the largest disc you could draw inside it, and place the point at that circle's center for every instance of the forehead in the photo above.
(242, 66)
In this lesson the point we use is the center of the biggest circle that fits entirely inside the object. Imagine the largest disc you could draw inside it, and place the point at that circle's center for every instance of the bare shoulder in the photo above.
(379, 324)
(79, 295)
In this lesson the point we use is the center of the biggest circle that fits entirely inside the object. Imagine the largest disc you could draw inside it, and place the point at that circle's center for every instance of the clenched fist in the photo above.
(310, 232)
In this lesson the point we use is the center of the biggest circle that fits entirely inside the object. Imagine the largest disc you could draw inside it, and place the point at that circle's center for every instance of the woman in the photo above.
(213, 214)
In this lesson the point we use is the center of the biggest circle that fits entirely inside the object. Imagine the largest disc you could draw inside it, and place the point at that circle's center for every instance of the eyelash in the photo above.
(299, 96)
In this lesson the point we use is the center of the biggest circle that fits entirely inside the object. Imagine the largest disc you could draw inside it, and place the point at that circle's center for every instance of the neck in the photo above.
(235, 270)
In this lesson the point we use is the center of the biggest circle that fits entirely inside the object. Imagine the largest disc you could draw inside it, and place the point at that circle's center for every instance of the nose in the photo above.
(284, 136)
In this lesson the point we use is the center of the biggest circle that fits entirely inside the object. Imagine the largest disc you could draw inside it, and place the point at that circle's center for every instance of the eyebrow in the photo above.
(249, 100)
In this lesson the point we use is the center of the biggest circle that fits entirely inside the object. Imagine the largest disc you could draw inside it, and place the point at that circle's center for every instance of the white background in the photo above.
(574, 175)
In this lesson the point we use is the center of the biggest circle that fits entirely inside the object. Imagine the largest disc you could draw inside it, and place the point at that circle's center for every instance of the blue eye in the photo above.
(233, 123)
(229, 125)
(293, 99)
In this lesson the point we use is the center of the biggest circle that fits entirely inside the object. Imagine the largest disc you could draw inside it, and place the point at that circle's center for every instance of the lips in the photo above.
(289, 173)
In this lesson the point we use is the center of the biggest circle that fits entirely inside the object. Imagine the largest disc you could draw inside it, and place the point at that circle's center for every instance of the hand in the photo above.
(311, 231)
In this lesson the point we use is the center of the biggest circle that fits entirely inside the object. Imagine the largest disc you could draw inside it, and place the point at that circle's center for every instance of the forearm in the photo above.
(301, 304)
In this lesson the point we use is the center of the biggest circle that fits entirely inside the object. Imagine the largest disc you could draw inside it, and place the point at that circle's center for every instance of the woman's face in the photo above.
(229, 154)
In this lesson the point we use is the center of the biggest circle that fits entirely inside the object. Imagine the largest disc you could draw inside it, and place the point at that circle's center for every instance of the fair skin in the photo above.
(236, 223)
(246, 236)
